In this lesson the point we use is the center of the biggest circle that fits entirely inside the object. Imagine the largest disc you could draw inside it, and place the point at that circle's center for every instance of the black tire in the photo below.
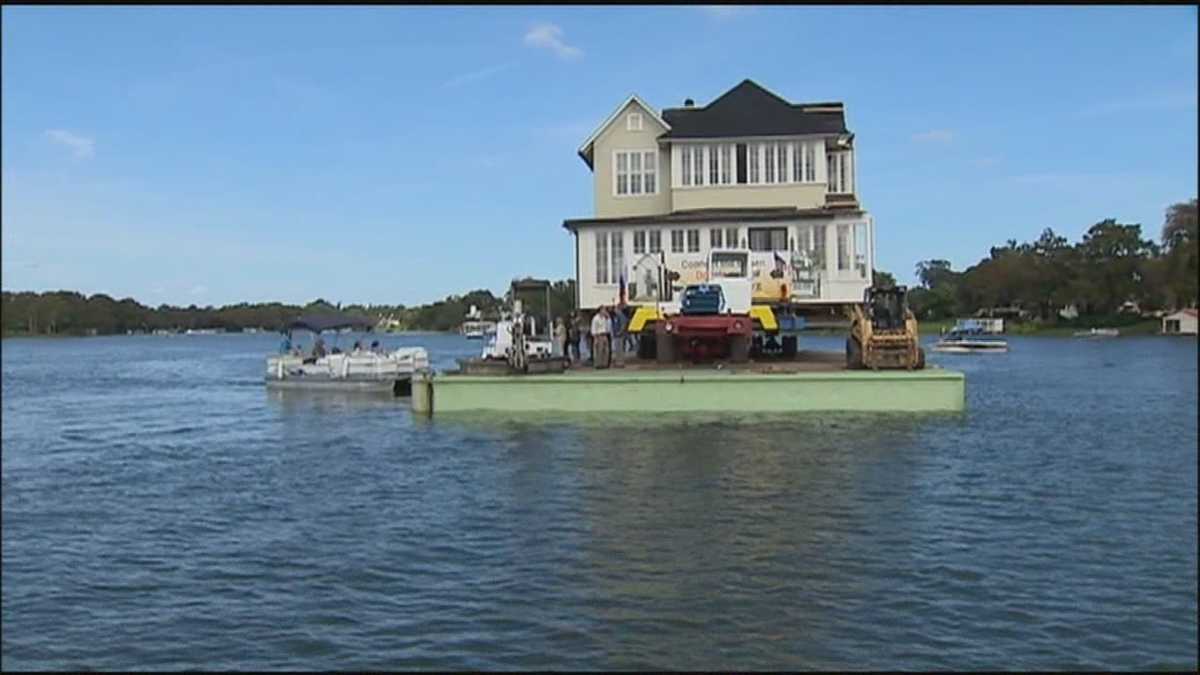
(853, 354)
(739, 348)
(647, 347)
(920, 358)
(790, 345)
(664, 349)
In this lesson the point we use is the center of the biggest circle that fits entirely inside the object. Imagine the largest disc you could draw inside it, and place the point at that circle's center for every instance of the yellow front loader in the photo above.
(883, 332)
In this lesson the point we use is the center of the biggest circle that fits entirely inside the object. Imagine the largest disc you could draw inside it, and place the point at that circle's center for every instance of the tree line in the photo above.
(72, 313)
(1110, 268)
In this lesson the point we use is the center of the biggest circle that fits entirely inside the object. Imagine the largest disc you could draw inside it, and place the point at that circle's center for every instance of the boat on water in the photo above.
(963, 342)
(372, 369)
(1098, 333)
(475, 327)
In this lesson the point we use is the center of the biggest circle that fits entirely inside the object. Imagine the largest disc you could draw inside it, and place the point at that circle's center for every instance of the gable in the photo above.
(650, 117)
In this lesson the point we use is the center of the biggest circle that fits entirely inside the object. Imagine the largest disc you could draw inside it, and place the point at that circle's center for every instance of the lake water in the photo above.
(162, 510)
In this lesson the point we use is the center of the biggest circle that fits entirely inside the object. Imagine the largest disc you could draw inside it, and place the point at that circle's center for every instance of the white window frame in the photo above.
(753, 153)
(716, 238)
(602, 258)
(647, 171)
(639, 242)
(726, 155)
(693, 236)
(677, 237)
(633, 121)
(769, 163)
(731, 237)
(654, 241)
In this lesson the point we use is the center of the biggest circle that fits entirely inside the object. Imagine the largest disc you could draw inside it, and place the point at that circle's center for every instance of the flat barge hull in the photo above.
(745, 390)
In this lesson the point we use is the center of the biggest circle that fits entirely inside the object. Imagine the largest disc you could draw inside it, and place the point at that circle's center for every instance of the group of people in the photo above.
(606, 336)
(319, 350)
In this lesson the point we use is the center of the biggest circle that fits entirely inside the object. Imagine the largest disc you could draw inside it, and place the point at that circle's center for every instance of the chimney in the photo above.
(688, 103)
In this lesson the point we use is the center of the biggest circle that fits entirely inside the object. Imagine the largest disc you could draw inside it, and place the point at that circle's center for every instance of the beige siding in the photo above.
(805, 196)
(616, 137)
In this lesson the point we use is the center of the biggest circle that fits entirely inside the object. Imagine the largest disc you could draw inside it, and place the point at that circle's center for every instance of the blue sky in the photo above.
(398, 154)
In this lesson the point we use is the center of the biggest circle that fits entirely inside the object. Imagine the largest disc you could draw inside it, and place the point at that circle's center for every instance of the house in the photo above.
(748, 170)
(1182, 322)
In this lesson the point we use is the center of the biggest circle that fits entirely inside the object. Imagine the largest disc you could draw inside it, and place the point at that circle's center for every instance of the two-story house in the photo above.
(748, 170)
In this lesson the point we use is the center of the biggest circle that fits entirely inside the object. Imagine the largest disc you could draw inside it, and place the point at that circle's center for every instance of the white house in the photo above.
(1182, 322)
(748, 170)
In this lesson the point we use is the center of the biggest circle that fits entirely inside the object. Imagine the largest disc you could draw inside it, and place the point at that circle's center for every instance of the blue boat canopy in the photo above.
(322, 322)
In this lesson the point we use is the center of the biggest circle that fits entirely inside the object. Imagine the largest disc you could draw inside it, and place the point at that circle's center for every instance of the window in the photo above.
(860, 249)
(685, 159)
(636, 173)
(713, 173)
(810, 163)
(769, 163)
(731, 239)
(676, 241)
(602, 257)
(633, 122)
(618, 257)
(797, 164)
(843, 247)
(714, 238)
(768, 239)
(610, 257)
(781, 153)
(639, 242)
(752, 162)
(831, 173)
(843, 184)
(698, 164)
(730, 265)
(693, 241)
(655, 241)
(726, 161)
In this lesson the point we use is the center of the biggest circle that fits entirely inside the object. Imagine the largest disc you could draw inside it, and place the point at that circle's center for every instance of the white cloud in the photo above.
(934, 136)
(476, 75)
(81, 146)
(549, 36)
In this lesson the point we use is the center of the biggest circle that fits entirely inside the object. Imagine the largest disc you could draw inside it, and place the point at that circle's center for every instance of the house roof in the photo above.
(585, 150)
(711, 216)
(750, 110)
(1194, 313)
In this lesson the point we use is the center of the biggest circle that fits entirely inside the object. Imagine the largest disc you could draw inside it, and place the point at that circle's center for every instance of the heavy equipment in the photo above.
(883, 332)
(715, 319)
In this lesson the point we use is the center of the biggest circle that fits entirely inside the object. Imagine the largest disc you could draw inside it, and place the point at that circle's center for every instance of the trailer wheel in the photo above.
(739, 348)
(920, 358)
(790, 343)
(664, 347)
(647, 349)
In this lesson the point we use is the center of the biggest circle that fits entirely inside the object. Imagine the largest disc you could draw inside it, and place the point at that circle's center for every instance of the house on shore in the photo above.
(1182, 322)
(749, 170)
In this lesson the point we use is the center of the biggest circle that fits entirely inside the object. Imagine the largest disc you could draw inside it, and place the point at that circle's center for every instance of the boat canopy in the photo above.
(322, 322)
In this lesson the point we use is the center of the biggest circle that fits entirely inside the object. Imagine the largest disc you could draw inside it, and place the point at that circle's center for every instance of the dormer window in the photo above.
(633, 122)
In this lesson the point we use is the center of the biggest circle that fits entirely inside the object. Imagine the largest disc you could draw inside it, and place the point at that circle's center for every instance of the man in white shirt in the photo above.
(601, 327)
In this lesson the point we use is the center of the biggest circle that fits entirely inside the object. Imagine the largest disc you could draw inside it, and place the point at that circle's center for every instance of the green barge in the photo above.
(816, 383)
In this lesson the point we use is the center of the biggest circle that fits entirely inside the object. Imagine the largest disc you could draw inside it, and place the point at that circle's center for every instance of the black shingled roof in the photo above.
(750, 110)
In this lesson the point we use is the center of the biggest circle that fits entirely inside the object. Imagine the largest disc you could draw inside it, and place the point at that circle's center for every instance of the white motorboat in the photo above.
(1098, 333)
(356, 370)
(959, 342)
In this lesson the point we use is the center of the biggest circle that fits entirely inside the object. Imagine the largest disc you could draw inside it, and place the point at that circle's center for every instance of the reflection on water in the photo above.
(164, 509)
